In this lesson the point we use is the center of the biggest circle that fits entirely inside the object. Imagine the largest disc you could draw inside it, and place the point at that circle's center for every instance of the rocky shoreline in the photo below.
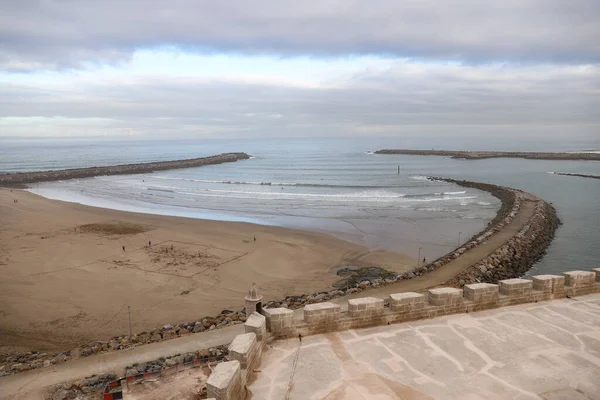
(511, 260)
(23, 178)
(480, 155)
(579, 175)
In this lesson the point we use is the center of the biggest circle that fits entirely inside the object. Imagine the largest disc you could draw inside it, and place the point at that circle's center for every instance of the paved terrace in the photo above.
(547, 350)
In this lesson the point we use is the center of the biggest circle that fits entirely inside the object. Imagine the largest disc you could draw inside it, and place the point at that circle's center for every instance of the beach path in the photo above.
(32, 384)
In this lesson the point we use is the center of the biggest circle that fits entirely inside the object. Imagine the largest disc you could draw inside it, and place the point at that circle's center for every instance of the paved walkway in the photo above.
(30, 384)
(548, 350)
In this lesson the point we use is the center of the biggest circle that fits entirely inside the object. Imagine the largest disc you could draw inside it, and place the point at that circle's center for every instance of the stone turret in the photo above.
(253, 301)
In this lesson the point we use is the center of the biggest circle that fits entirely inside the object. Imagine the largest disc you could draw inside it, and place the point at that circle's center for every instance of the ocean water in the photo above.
(330, 185)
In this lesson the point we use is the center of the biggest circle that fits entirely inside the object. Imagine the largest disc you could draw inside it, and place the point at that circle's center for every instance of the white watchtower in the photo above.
(253, 301)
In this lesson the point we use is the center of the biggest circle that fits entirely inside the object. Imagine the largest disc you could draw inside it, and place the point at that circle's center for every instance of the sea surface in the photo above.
(337, 186)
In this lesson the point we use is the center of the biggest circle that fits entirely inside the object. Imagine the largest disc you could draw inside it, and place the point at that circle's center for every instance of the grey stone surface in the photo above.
(546, 350)
(223, 375)
(242, 343)
(576, 278)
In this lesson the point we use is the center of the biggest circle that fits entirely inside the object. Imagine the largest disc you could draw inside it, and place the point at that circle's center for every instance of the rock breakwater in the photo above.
(579, 175)
(479, 155)
(23, 178)
(519, 253)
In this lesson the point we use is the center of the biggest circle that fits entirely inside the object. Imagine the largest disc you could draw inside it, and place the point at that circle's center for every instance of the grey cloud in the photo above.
(546, 98)
(68, 34)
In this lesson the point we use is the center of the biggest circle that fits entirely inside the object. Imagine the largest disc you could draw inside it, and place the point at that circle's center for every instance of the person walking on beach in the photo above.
(123, 248)
(149, 243)
(424, 261)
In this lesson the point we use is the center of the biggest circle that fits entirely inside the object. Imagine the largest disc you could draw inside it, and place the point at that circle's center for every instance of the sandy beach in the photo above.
(66, 278)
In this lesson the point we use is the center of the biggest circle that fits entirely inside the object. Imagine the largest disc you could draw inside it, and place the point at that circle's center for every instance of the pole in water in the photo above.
(398, 170)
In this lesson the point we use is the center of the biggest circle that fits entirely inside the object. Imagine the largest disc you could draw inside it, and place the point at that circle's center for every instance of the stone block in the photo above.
(242, 347)
(223, 382)
(578, 279)
(321, 312)
(406, 301)
(257, 324)
(515, 287)
(445, 296)
(365, 307)
(549, 283)
(481, 292)
(597, 272)
(278, 318)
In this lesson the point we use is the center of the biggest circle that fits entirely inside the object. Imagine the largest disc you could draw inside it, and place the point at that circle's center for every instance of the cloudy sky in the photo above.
(194, 68)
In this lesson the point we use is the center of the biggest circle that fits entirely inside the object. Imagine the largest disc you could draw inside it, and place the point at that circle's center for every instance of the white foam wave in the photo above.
(228, 182)
(483, 203)
(368, 196)
(419, 178)
(451, 193)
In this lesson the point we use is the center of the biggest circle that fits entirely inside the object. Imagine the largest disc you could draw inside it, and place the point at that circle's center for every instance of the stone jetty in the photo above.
(24, 178)
(479, 155)
(579, 175)
(517, 255)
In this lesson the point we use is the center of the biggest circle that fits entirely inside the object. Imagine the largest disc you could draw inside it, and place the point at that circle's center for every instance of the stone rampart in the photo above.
(400, 307)
(228, 380)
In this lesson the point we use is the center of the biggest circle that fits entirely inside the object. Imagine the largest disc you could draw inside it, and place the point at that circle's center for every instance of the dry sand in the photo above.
(65, 278)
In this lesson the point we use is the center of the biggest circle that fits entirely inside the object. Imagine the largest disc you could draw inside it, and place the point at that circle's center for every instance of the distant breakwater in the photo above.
(480, 155)
(579, 175)
(23, 178)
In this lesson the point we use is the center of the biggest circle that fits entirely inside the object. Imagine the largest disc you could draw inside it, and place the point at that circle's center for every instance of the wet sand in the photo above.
(65, 278)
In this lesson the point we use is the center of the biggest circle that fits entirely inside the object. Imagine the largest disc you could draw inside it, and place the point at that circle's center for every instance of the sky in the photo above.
(329, 68)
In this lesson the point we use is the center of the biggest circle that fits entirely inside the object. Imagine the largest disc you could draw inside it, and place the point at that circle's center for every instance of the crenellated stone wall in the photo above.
(400, 307)
(228, 380)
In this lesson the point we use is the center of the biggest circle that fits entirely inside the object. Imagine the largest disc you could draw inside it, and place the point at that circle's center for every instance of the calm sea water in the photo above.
(331, 185)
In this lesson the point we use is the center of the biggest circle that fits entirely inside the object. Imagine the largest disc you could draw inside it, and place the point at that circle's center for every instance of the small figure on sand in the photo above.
(424, 261)
(123, 248)
(300, 337)
(255, 238)
(149, 243)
